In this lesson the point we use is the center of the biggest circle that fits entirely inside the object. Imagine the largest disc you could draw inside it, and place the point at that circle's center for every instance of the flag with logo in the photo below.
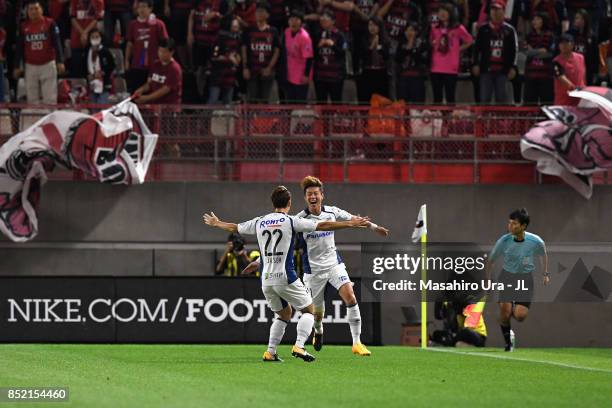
(113, 146)
(575, 142)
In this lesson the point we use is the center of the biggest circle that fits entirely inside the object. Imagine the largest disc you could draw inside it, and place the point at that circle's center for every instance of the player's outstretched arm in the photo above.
(355, 222)
(214, 221)
(379, 229)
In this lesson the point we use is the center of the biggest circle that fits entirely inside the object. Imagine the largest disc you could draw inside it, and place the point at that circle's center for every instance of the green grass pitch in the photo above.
(234, 376)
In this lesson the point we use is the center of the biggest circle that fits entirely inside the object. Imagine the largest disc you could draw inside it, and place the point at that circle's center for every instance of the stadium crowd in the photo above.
(222, 51)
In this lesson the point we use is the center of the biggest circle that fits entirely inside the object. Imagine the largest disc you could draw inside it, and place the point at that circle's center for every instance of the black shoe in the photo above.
(317, 341)
(510, 347)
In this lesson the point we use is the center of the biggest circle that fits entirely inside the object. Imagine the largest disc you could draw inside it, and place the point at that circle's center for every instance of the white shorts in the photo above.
(316, 282)
(279, 296)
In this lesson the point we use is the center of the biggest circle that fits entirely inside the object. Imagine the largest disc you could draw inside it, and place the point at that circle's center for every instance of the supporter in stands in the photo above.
(362, 12)
(413, 60)
(330, 48)
(165, 82)
(297, 56)
(448, 39)
(538, 69)
(225, 62)
(373, 76)
(100, 66)
(2, 62)
(244, 10)
(280, 10)
(202, 34)
(278, 15)
(235, 258)
(116, 11)
(570, 71)
(260, 53)
(59, 11)
(177, 14)
(461, 11)
(495, 56)
(556, 11)
(396, 15)
(144, 35)
(39, 49)
(585, 43)
(84, 15)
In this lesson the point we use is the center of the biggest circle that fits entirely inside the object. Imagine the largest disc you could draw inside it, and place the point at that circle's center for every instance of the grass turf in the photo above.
(234, 376)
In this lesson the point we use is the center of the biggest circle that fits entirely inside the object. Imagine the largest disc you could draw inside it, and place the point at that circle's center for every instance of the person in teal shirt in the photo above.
(521, 253)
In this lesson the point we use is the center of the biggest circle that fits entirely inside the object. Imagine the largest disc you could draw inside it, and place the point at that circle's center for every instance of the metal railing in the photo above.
(461, 144)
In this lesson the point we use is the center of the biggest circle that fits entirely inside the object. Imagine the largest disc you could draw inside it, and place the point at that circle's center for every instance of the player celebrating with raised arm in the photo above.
(280, 285)
(518, 248)
(322, 263)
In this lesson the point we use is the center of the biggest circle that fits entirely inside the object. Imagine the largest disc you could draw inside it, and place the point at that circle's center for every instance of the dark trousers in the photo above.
(370, 82)
(411, 89)
(295, 93)
(443, 85)
(259, 88)
(493, 84)
(135, 78)
(78, 69)
(539, 91)
(110, 21)
(331, 90)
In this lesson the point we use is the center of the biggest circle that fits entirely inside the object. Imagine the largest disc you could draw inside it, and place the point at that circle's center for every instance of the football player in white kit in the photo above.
(281, 287)
(322, 264)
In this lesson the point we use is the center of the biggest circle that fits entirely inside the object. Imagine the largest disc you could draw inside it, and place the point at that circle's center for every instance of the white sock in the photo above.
(304, 328)
(354, 319)
(277, 330)
(318, 324)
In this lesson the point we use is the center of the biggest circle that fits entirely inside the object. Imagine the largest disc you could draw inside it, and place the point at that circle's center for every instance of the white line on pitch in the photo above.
(504, 357)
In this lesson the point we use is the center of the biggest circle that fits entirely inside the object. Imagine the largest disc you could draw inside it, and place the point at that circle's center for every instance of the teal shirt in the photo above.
(518, 257)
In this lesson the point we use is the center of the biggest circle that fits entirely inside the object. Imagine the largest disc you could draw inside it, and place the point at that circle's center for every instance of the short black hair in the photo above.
(329, 13)
(280, 197)
(566, 38)
(149, 2)
(167, 43)
(297, 13)
(262, 4)
(521, 215)
(39, 2)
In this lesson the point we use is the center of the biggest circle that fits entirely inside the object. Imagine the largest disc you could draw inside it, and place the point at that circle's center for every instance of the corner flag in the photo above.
(420, 229)
(420, 233)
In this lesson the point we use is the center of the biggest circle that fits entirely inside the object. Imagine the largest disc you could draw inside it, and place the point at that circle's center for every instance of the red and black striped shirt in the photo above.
(537, 66)
(330, 61)
(260, 46)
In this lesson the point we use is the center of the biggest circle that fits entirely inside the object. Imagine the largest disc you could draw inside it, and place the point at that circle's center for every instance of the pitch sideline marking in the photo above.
(504, 357)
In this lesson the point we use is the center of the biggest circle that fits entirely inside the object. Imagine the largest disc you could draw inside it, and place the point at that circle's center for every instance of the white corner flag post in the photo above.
(420, 232)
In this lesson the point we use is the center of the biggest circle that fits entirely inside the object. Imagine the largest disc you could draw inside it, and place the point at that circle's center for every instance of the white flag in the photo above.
(114, 146)
(420, 228)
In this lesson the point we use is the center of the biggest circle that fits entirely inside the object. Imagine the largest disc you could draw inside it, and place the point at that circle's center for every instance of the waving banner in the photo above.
(576, 141)
(114, 146)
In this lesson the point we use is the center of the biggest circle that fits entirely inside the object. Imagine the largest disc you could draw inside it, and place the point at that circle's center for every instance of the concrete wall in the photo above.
(156, 229)
(171, 212)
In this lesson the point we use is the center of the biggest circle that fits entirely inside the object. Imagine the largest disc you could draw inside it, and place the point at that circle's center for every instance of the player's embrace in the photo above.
(322, 263)
(276, 233)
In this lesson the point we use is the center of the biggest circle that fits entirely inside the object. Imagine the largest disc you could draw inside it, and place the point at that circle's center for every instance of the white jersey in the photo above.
(276, 233)
(320, 253)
